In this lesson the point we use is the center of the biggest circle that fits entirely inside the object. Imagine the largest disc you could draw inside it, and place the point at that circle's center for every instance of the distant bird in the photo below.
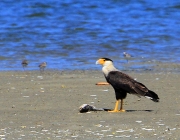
(42, 66)
(24, 64)
(127, 56)
(123, 84)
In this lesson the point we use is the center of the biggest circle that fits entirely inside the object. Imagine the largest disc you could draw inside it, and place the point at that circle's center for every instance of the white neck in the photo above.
(108, 67)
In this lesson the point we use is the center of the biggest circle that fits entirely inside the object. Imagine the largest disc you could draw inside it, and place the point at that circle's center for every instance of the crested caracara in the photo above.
(123, 84)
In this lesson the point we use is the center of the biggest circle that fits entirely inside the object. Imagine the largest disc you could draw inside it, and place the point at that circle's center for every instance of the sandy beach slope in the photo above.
(45, 105)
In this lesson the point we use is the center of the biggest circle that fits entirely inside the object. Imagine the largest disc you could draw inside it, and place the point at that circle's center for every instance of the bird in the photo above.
(24, 63)
(123, 84)
(127, 56)
(42, 66)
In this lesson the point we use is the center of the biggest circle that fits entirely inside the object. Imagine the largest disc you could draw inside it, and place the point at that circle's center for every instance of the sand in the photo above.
(45, 105)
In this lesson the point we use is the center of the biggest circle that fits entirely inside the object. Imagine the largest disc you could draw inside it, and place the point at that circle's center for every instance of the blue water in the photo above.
(73, 34)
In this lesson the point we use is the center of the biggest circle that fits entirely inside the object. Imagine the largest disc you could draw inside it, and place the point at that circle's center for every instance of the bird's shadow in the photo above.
(139, 110)
(105, 109)
(86, 108)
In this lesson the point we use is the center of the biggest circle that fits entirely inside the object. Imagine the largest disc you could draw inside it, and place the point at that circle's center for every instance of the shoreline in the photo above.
(152, 66)
(45, 105)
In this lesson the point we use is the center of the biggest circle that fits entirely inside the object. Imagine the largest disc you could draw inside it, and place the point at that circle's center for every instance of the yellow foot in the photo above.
(117, 111)
(122, 110)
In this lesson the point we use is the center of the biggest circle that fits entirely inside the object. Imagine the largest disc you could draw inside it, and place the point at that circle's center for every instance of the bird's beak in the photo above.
(100, 61)
(97, 62)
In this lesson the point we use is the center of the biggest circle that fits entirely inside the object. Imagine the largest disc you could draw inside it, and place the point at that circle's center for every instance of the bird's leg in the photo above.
(116, 107)
(121, 107)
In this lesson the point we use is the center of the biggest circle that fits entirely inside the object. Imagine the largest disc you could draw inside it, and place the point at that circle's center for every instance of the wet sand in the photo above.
(45, 105)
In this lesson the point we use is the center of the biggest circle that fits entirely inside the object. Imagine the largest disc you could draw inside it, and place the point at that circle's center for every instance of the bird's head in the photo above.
(104, 61)
(107, 65)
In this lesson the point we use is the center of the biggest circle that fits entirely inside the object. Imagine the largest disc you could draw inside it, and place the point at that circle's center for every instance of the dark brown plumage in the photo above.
(123, 84)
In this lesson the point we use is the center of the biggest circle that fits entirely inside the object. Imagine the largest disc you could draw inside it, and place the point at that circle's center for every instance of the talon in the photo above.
(122, 110)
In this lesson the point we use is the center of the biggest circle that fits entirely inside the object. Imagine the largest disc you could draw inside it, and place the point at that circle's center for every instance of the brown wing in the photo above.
(121, 80)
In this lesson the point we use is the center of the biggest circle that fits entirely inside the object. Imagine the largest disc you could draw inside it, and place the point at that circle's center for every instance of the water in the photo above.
(73, 34)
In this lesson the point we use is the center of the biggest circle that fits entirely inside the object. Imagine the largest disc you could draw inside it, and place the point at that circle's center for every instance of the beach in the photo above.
(68, 37)
(45, 105)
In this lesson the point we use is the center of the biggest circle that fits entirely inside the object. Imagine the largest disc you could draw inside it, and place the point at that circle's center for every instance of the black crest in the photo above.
(107, 59)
